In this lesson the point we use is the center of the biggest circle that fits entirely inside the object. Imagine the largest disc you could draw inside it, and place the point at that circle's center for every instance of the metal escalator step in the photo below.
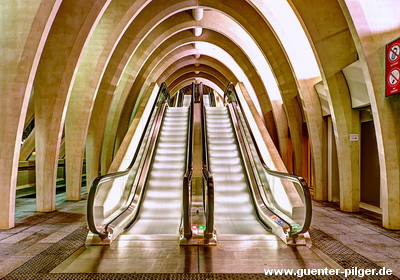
(172, 144)
(221, 141)
(175, 182)
(171, 139)
(219, 130)
(223, 169)
(174, 122)
(226, 187)
(176, 114)
(229, 176)
(219, 125)
(171, 151)
(160, 194)
(218, 161)
(168, 165)
(217, 120)
(173, 133)
(163, 158)
(220, 136)
(165, 173)
(218, 147)
(174, 128)
(220, 153)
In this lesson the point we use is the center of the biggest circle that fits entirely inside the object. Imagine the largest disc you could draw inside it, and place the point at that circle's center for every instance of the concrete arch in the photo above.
(202, 60)
(326, 44)
(279, 65)
(32, 20)
(184, 37)
(205, 76)
(222, 8)
(103, 41)
(139, 38)
(198, 80)
(201, 69)
(54, 77)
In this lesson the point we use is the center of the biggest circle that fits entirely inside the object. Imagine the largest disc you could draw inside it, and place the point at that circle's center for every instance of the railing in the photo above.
(196, 90)
(187, 179)
(265, 196)
(208, 191)
(180, 99)
(113, 198)
(212, 98)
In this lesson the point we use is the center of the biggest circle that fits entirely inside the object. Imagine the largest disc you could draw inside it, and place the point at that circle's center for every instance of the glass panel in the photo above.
(275, 191)
(114, 195)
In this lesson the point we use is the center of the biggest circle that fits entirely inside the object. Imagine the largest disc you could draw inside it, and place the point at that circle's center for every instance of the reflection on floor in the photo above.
(45, 242)
(246, 256)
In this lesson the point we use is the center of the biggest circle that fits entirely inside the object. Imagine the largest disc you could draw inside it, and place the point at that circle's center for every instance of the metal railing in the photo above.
(208, 184)
(129, 183)
(264, 196)
(187, 179)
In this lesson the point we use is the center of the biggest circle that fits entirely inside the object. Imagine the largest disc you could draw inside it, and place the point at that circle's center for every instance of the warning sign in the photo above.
(394, 53)
(393, 67)
(394, 77)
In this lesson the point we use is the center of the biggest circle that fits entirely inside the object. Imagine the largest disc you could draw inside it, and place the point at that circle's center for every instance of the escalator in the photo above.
(146, 199)
(241, 195)
(160, 211)
(234, 212)
(249, 198)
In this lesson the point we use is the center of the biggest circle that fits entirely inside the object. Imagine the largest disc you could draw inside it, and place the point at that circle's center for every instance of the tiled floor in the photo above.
(36, 232)
(361, 232)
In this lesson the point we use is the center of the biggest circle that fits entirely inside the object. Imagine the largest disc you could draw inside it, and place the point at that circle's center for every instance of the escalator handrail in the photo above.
(163, 96)
(187, 192)
(180, 99)
(211, 95)
(209, 207)
(291, 177)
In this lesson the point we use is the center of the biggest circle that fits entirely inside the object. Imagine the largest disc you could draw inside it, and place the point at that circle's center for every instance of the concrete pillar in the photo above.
(346, 122)
(333, 174)
(371, 30)
(56, 72)
(85, 89)
(24, 27)
(330, 36)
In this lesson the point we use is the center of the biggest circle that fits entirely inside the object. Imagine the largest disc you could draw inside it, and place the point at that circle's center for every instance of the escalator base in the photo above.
(45, 265)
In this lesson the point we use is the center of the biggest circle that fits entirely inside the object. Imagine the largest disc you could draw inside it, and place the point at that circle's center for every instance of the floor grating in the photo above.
(40, 266)
(344, 256)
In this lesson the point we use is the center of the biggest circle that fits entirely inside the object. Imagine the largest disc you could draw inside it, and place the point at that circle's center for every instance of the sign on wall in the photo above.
(393, 67)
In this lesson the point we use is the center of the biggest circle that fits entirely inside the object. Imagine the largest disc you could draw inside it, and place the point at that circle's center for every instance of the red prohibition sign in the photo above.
(394, 53)
(394, 77)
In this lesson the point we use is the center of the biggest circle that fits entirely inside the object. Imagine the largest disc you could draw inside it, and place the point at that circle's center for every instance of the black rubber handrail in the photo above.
(208, 191)
(187, 185)
(180, 98)
(211, 96)
(163, 96)
(291, 177)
